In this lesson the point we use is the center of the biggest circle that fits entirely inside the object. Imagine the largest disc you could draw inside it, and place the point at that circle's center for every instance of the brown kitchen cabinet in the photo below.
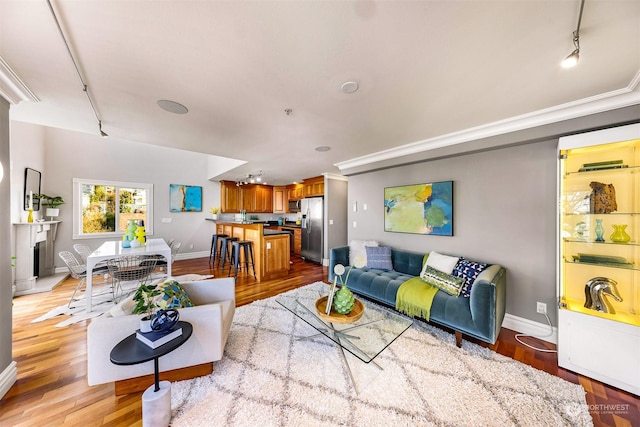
(314, 187)
(230, 197)
(280, 203)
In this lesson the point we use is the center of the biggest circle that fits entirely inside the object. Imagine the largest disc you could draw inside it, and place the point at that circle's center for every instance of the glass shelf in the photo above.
(574, 240)
(622, 316)
(594, 214)
(628, 266)
(626, 169)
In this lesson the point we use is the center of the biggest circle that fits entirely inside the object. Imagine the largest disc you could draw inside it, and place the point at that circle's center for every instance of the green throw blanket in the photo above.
(415, 298)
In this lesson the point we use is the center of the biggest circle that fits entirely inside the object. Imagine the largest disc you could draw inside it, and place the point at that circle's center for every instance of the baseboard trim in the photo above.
(8, 378)
(529, 327)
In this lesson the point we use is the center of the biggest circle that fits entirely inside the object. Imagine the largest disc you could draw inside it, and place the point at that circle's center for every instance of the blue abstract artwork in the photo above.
(420, 208)
(185, 198)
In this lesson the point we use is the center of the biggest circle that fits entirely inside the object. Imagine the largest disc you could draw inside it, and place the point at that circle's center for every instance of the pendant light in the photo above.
(574, 57)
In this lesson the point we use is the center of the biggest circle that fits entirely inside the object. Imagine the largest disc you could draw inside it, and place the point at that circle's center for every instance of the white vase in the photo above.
(214, 216)
(145, 325)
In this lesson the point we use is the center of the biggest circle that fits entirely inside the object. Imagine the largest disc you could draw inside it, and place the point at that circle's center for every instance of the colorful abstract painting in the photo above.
(185, 198)
(420, 208)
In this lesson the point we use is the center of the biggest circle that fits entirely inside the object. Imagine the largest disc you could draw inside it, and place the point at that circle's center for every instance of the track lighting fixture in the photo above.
(85, 88)
(102, 133)
(250, 179)
(574, 57)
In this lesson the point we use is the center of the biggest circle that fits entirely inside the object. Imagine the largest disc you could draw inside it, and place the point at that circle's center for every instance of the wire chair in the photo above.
(162, 261)
(130, 271)
(84, 251)
(77, 270)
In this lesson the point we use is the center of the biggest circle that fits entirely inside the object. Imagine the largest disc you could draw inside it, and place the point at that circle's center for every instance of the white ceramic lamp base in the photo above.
(156, 406)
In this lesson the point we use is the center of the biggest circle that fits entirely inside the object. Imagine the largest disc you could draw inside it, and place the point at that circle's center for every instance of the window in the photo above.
(104, 208)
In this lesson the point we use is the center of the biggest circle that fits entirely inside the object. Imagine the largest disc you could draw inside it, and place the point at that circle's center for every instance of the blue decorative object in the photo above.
(599, 231)
(165, 320)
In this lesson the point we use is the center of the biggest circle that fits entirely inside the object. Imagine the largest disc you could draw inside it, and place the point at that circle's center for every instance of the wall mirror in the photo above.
(31, 186)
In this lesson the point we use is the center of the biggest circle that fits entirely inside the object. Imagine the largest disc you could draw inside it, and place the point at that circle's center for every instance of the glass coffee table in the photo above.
(365, 338)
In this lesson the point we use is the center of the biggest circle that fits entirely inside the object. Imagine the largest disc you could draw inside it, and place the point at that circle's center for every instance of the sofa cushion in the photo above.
(379, 257)
(469, 271)
(446, 282)
(357, 250)
(444, 263)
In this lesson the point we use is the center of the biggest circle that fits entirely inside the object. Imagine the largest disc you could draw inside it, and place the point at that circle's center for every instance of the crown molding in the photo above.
(620, 98)
(12, 88)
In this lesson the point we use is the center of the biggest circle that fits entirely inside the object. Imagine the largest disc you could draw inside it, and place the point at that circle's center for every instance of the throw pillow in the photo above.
(446, 282)
(444, 263)
(357, 249)
(379, 257)
(172, 295)
(469, 271)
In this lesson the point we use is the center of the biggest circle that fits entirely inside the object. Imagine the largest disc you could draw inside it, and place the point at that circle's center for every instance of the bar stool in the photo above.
(215, 248)
(225, 242)
(247, 245)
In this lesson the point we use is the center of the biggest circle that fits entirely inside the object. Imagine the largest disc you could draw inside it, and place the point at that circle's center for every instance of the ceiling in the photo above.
(424, 69)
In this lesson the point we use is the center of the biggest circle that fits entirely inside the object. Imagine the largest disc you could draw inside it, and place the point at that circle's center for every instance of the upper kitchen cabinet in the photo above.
(295, 191)
(230, 197)
(279, 199)
(314, 187)
(262, 200)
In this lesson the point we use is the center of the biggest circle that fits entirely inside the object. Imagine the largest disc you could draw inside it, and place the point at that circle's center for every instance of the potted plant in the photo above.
(146, 304)
(214, 212)
(52, 203)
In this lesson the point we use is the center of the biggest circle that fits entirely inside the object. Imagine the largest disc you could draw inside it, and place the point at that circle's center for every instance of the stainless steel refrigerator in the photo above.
(312, 211)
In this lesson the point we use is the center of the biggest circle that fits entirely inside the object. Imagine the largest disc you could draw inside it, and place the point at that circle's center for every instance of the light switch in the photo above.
(355, 224)
(330, 222)
(268, 245)
(364, 206)
(166, 220)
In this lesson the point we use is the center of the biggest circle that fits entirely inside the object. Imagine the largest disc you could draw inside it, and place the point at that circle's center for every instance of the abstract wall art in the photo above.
(419, 208)
(185, 198)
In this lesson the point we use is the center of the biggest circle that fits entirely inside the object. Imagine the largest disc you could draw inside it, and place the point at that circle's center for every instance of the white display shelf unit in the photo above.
(603, 345)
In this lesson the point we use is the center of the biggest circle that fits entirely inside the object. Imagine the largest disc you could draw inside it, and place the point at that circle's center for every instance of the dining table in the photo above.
(114, 249)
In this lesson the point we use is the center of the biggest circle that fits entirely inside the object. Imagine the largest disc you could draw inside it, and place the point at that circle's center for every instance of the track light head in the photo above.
(571, 60)
(102, 133)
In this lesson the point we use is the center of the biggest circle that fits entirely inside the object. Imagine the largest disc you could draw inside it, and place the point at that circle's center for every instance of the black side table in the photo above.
(156, 402)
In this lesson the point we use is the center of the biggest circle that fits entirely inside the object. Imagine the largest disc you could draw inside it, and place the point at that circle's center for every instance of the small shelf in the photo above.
(602, 214)
(627, 266)
(574, 240)
(624, 317)
(620, 171)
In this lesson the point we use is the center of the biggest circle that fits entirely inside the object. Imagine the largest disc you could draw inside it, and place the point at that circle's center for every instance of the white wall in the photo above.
(69, 155)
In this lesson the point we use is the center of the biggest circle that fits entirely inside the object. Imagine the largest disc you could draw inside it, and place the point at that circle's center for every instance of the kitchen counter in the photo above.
(270, 247)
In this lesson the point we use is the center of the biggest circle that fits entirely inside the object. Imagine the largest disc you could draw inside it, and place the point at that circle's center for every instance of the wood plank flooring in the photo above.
(52, 390)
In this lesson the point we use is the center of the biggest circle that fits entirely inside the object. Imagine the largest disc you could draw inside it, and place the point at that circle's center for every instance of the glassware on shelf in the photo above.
(619, 234)
(599, 231)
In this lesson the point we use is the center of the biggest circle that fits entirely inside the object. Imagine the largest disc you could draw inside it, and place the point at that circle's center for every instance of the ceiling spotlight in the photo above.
(102, 133)
(574, 57)
(349, 87)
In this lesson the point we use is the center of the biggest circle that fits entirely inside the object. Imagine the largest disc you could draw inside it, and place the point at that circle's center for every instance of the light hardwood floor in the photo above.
(52, 391)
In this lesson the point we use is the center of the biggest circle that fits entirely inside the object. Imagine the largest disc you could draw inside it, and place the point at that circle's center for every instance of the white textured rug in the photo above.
(267, 377)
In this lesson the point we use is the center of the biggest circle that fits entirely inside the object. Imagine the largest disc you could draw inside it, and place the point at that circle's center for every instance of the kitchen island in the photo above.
(270, 247)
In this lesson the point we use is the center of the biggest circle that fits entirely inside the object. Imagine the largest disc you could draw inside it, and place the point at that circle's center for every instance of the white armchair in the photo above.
(211, 318)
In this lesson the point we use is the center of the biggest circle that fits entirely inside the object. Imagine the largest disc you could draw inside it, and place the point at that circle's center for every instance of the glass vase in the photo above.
(619, 234)
(599, 231)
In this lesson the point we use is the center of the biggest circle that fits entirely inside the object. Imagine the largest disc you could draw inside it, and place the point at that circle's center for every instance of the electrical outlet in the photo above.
(541, 307)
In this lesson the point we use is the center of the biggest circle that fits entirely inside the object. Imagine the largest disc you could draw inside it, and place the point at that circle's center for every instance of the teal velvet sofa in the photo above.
(480, 315)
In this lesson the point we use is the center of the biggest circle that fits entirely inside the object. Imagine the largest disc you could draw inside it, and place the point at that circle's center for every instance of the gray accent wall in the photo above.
(336, 228)
(504, 213)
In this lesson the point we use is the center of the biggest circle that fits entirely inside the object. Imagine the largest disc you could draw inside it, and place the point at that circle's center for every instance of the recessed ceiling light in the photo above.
(349, 87)
(172, 107)
(323, 148)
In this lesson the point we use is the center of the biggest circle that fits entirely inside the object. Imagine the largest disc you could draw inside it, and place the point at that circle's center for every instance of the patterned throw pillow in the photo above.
(379, 257)
(357, 250)
(172, 295)
(446, 282)
(469, 271)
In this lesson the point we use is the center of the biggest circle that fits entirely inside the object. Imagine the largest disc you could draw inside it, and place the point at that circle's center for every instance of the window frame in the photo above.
(77, 206)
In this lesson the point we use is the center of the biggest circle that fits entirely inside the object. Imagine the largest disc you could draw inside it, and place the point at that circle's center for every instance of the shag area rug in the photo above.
(269, 377)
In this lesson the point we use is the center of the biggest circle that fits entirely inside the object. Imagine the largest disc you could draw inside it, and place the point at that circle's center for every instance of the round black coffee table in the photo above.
(156, 400)
(131, 351)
